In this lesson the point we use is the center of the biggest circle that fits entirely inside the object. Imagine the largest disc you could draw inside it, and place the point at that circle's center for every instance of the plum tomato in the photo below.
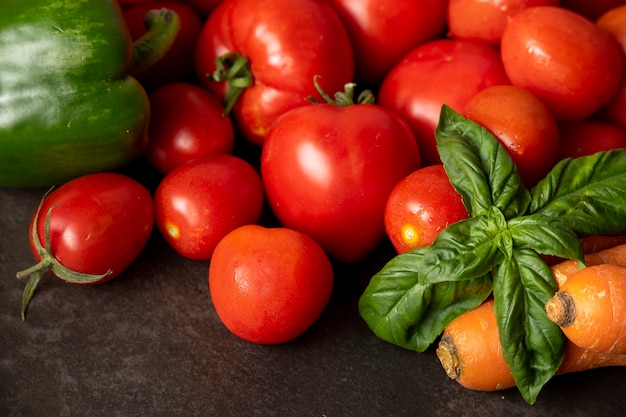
(444, 71)
(186, 122)
(382, 31)
(198, 203)
(420, 206)
(484, 20)
(522, 123)
(547, 50)
(588, 137)
(178, 62)
(269, 285)
(328, 171)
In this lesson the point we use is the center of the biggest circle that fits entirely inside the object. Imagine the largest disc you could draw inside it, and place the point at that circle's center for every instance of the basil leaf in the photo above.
(532, 345)
(401, 310)
(585, 193)
(479, 167)
(545, 235)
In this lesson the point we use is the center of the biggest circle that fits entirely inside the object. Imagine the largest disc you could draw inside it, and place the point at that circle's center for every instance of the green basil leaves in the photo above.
(497, 250)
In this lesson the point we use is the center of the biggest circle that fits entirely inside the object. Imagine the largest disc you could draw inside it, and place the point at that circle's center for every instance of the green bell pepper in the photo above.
(67, 105)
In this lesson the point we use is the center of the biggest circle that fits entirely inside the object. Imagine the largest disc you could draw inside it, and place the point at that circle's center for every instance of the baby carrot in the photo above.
(590, 308)
(470, 353)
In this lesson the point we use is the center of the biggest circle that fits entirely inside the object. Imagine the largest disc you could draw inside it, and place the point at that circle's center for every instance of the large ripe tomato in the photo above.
(548, 51)
(178, 62)
(328, 171)
(382, 31)
(200, 202)
(588, 137)
(445, 71)
(522, 123)
(484, 20)
(89, 230)
(420, 206)
(186, 122)
(269, 285)
(286, 43)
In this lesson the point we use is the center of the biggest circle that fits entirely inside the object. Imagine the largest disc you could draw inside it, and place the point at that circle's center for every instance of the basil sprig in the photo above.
(497, 251)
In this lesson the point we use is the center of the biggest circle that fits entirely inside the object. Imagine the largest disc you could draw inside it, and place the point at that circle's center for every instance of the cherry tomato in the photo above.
(286, 43)
(614, 22)
(382, 31)
(588, 137)
(592, 9)
(186, 122)
(420, 206)
(328, 171)
(484, 20)
(269, 285)
(444, 71)
(547, 50)
(522, 123)
(198, 203)
(178, 62)
(98, 223)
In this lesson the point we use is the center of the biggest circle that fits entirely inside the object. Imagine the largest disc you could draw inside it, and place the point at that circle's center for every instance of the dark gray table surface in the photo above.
(149, 343)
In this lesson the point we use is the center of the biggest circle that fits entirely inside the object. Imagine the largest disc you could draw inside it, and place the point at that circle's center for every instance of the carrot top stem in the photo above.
(449, 357)
(561, 309)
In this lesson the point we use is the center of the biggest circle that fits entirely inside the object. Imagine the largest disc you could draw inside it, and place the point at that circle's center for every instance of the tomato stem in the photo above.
(234, 69)
(343, 98)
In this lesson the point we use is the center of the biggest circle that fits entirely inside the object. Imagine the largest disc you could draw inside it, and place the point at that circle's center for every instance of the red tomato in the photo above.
(588, 137)
(269, 285)
(547, 50)
(592, 9)
(328, 171)
(522, 123)
(484, 20)
(614, 22)
(99, 223)
(287, 43)
(382, 31)
(186, 122)
(444, 71)
(198, 203)
(178, 62)
(420, 206)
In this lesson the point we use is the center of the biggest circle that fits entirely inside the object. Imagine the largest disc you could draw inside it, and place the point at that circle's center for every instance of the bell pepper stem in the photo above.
(163, 26)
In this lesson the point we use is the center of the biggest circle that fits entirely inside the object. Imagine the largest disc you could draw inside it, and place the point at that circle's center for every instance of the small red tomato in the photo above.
(484, 20)
(186, 122)
(178, 62)
(522, 123)
(588, 137)
(547, 50)
(198, 203)
(445, 71)
(420, 206)
(269, 285)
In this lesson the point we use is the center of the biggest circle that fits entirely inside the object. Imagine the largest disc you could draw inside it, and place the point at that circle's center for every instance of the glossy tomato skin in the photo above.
(198, 203)
(382, 31)
(100, 222)
(522, 123)
(328, 171)
(178, 62)
(444, 71)
(294, 40)
(547, 50)
(588, 137)
(484, 20)
(186, 122)
(420, 206)
(269, 285)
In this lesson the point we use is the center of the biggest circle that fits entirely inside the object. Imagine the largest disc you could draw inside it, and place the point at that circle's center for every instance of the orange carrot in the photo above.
(470, 353)
(613, 255)
(590, 308)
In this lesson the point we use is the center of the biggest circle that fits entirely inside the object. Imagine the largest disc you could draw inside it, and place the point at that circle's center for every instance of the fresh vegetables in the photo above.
(588, 308)
(89, 230)
(67, 106)
(411, 300)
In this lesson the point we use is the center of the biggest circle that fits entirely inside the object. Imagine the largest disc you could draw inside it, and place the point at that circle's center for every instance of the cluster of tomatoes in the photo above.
(338, 174)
